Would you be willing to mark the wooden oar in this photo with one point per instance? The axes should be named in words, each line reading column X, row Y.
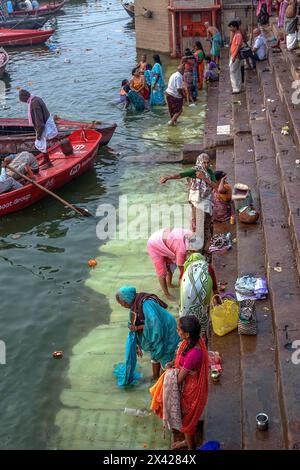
column 80, row 211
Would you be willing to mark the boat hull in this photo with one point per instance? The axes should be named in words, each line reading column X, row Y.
column 24, row 37
column 24, row 23
column 42, row 11
column 64, row 170
column 16, row 135
column 130, row 12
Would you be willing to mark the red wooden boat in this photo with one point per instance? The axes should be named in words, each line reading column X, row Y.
column 16, row 135
column 24, row 37
column 3, row 61
column 85, row 144
column 48, row 9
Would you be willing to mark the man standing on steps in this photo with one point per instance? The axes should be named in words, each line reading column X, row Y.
column 43, row 123
column 235, row 62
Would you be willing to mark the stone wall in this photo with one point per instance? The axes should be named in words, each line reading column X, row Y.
column 232, row 9
column 152, row 33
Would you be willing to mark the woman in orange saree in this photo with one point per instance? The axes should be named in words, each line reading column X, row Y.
column 192, row 364
column 200, row 56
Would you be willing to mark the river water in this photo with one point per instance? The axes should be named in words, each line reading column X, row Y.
column 50, row 298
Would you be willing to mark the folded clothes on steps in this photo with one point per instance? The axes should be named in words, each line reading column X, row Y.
column 251, row 287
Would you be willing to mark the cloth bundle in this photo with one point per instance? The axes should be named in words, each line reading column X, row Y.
column 251, row 287
column 220, row 242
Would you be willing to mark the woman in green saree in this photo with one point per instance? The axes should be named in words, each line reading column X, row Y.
column 197, row 286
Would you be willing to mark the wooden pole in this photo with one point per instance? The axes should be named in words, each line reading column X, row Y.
column 46, row 190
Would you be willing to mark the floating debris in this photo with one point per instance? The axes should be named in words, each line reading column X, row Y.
column 15, row 236
column 285, row 130
column 57, row 354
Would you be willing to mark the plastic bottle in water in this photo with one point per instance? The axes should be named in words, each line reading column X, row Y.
column 136, row 412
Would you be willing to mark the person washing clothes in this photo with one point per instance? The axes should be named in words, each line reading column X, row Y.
column 169, row 249
column 202, row 182
column 154, row 326
column 43, row 123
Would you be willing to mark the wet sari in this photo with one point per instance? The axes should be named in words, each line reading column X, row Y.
column 199, row 54
column 216, row 42
column 136, row 101
column 157, row 93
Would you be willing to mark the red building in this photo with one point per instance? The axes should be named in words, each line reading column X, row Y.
column 187, row 22
column 174, row 24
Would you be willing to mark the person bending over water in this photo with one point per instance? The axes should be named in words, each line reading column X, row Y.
column 155, row 327
column 168, row 249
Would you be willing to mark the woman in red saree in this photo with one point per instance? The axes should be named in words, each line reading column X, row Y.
column 192, row 365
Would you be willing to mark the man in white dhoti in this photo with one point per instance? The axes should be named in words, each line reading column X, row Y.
column 43, row 123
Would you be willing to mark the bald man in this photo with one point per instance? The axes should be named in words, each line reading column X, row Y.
column 259, row 48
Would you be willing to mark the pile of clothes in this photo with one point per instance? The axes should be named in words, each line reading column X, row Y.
column 251, row 287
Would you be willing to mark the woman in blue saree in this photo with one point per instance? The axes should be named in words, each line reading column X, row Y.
column 158, row 83
column 155, row 327
column 134, row 99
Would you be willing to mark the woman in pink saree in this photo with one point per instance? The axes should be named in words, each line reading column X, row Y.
column 168, row 249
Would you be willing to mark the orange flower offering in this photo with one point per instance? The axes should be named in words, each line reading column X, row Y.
column 92, row 263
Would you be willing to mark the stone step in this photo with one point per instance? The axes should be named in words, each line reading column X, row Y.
column 283, row 285
column 258, row 371
column 285, row 150
column 288, row 95
column 292, row 58
column 223, row 415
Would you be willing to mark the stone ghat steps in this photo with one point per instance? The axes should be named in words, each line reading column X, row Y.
column 258, row 372
column 286, row 150
column 283, row 285
column 258, row 377
column 223, row 414
column 285, row 67
column 292, row 58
